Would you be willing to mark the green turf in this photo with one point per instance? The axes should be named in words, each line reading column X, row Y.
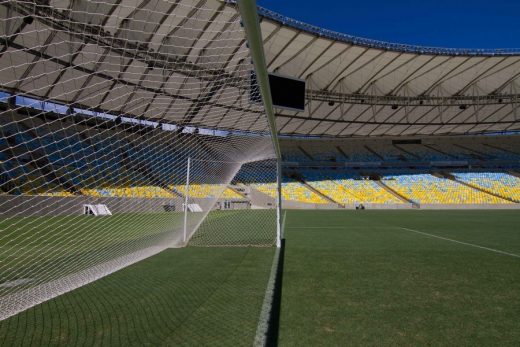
column 190, row 296
column 357, row 278
column 350, row 278
column 186, row 296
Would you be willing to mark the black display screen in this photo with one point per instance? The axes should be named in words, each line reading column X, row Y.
column 287, row 92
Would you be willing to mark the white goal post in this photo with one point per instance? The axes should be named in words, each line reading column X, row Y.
column 251, row 21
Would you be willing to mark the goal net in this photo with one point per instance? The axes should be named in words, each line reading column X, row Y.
column 240, row 218
column 142, row 111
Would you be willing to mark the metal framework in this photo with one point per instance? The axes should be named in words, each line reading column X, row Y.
column 356, row 86
column 147, row 58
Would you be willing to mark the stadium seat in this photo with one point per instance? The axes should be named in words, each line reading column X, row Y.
column 428, row 189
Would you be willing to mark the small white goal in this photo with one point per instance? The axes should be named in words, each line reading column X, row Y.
column 96, row 210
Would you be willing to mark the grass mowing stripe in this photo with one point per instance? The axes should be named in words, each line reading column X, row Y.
column 208, row 298
column 462, row 243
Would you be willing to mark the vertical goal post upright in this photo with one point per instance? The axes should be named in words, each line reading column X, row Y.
column 186, row 200
column 250, row 20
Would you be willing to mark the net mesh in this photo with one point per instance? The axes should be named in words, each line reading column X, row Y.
column 143, row 108
column 240, row 217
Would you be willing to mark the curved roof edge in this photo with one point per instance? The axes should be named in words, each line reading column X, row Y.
column 333, row 35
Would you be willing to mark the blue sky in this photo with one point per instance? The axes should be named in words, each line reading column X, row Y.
column 440, row 23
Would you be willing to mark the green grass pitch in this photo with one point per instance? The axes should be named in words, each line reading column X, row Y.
column 360, row 278
column 350, row 278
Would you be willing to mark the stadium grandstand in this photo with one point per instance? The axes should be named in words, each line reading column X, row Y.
column 153, row 178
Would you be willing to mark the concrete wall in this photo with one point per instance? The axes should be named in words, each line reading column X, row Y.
column 470, row 207
column 290, row 205
column 304, row 206
column 402, row 206
column 260, row 200
column 296, row 205
column 12, row 205
column 22, row 205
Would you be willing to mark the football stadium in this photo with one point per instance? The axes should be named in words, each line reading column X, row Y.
column 213, row 173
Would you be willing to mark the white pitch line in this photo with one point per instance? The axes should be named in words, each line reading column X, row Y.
column 265, row 314
column 341, row 227
column 283, row 223
column 267, row 305
column 462, row 243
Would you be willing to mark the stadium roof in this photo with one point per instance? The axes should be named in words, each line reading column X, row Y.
column 184, row 62
column 187, row 62
column 361, row 87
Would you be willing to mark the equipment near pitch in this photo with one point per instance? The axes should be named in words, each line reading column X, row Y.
column 194, row 208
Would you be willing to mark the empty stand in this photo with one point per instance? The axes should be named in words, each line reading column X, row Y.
column 428, row 189
column 500, row 184
column 292, row 190
column 346, row 190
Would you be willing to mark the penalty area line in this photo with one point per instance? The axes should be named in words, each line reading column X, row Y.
column 461, row 242
column 346, row 227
